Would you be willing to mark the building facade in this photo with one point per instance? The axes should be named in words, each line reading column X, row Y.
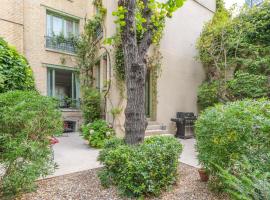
column 44, row 30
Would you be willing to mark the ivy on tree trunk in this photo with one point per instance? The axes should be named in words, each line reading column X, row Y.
column 140, row 27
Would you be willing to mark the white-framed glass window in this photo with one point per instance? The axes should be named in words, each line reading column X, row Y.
column 58, row 24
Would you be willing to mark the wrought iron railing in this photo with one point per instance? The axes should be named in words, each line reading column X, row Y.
column 70, row 103
column 252, row 3
column 62, row 45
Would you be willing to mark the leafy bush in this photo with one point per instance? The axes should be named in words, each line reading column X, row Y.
column 226, row 133
column 97, row 133
column 144, row 169
column 245, row 85
column 27, row 120
column 15, row 73
column 236, row 48
column 248, row 184
column 91, row 105
column 208, row 94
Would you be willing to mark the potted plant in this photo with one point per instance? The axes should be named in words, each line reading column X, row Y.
column 203, row 175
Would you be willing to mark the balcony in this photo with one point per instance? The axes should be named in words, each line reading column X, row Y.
column 61, row 44
column 69, row 103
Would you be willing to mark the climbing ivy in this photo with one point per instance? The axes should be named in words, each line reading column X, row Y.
column 87, row 51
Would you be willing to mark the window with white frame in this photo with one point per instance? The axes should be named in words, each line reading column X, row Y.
column 57, row 25
column 61, row 32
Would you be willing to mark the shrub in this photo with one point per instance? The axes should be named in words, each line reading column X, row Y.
column 248, row 184
column 144, row 169
column 245, row 85
column 97, row 133
column 27, row 120
column 15, row 73
column 226, row 133
column 91, row 105
column 208, row 94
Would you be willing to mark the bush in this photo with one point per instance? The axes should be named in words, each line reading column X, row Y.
column 15, row 73
column 248, row 184
column 208, row 94
column 27, row 120
column 144, row 169
column 245, row 85
column 97, row 133
column 226, row 133
column 91, row 105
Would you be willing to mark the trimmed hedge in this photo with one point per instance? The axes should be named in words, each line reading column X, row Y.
column 144, row 169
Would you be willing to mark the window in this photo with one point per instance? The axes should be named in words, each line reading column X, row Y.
column 61, row 32
column 57, row 25
column 64, row 85
column 252, row 3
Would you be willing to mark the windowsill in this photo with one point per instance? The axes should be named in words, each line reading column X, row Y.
column 59, row 51
column 70, row 109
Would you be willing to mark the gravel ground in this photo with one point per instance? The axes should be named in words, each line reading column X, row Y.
column 86, row 186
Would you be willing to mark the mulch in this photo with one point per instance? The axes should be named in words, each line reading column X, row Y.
column 85, row 185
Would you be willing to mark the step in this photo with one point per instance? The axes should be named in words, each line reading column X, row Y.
column 154, row 127
column 155, row 132
column 165, row 134
column 153, row 123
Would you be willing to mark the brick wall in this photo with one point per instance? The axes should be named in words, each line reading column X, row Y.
column 11, row 22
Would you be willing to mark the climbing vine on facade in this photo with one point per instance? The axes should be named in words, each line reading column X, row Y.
column 87, row 51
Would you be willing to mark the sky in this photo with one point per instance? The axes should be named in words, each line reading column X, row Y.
column 229, row 3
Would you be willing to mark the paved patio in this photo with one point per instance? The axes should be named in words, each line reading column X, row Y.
column 72, row 154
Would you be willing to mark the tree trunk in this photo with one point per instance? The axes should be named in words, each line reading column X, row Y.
column 135, row 121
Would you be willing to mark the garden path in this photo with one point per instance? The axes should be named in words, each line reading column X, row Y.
column 72, row 154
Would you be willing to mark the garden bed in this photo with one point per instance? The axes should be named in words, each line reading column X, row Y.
column 85, row 185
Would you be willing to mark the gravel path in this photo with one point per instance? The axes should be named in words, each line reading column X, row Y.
column 86, row 186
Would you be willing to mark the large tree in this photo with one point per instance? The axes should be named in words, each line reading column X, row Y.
column 141, row 24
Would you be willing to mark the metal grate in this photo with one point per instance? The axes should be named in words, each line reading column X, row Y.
column 66, row 46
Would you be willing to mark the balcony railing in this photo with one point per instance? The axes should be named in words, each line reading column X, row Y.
column 60, row 45
column 252, row 3
column 70, row 103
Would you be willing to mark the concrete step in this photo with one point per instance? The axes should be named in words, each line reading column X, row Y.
column 154, row 127
column 155, row 132
column 153, row 123
column 164, row 134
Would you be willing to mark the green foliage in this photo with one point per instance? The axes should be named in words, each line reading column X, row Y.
column 15, row 73
column 208, row 94
column 158, row 10
column 144, row 169
column 87, row 46
column 245, row 85
column 228, row 45
column 91, row 105
column 119, row 65
column 27, row 121
column 97, row 133
column 227, row 133
column 248, row 184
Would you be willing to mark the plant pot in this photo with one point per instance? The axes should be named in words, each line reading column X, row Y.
column 203, row 175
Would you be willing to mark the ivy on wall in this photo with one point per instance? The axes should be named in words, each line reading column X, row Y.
column 87, row 52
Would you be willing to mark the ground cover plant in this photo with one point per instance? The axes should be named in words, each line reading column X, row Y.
column 144, row 169
column 97, row 133
column 15, row 72
column 27, row 121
